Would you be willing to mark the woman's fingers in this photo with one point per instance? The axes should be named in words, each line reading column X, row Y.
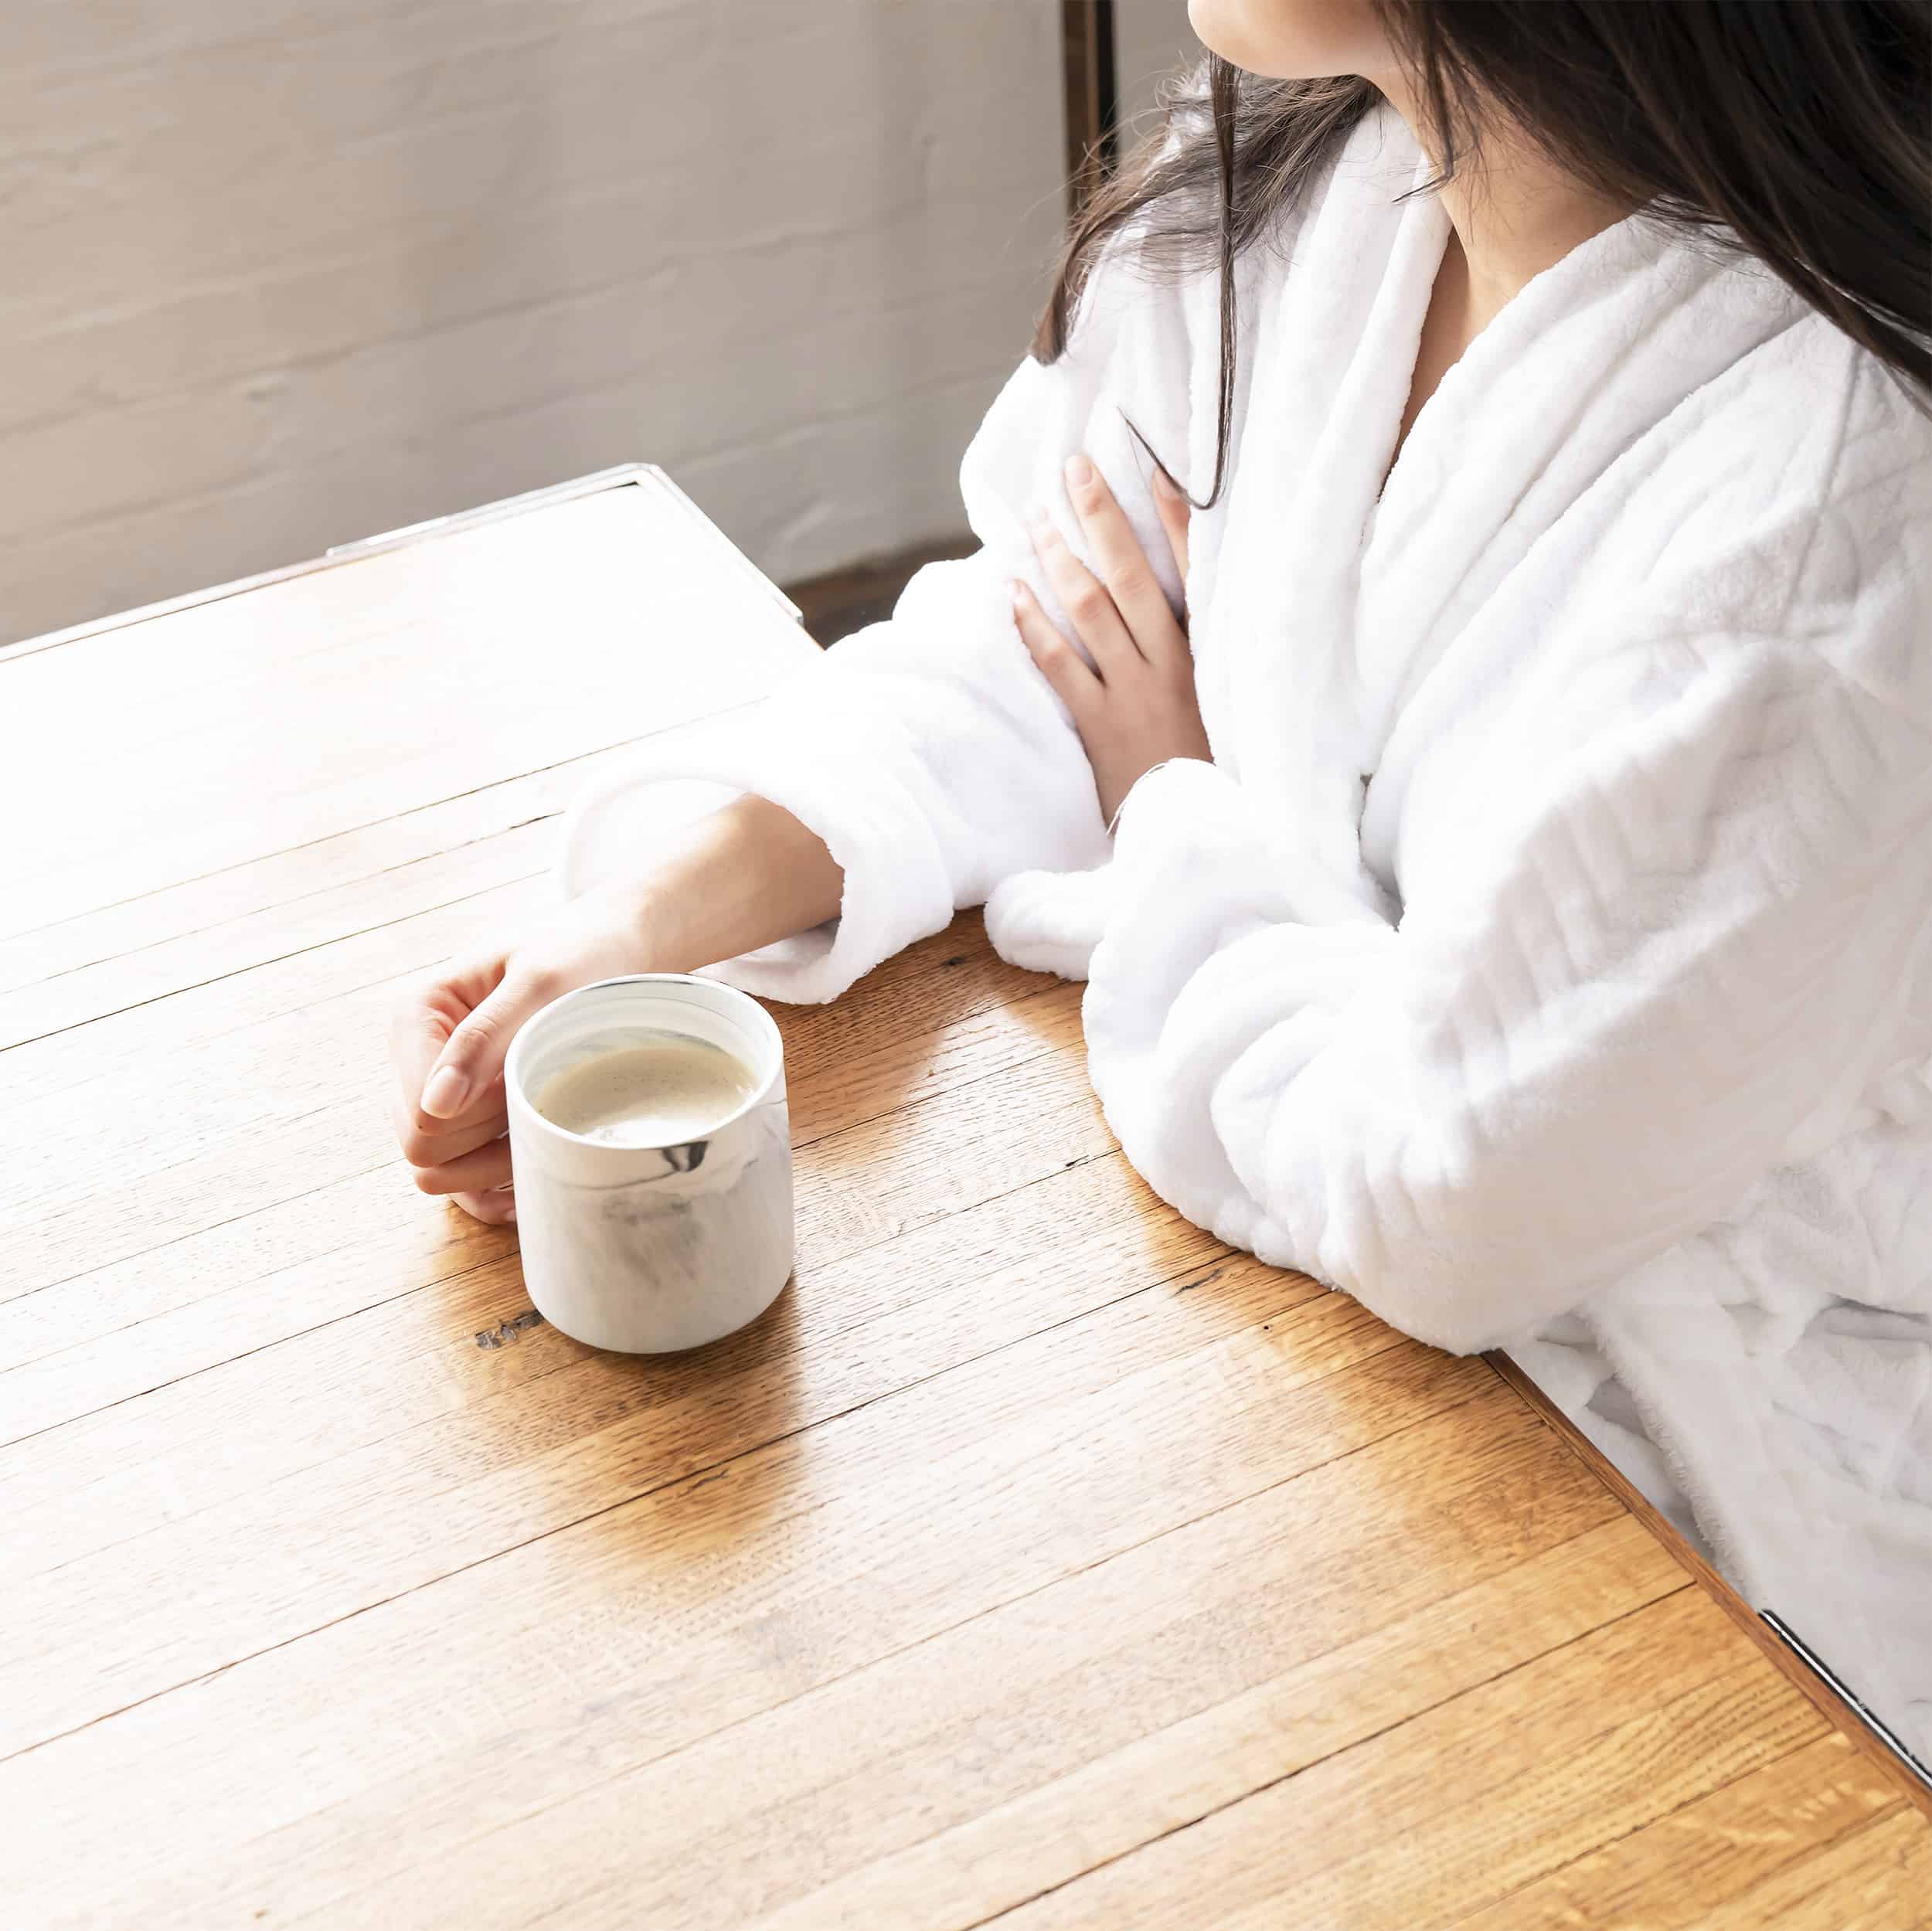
column 1124, row 571
column 1097, row 621
column 1060, row 663
column 496, row 1208
column 420, row 1032
column 471, row 1064
column 479, row 1172
column 1172, row 508
column 434, row 1142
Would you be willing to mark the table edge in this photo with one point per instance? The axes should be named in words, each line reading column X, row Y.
column 619, row 476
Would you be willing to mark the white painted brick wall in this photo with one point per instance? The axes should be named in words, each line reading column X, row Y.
column 277, row 274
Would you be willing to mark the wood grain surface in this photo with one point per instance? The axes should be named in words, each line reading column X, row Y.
column 1036, row 1560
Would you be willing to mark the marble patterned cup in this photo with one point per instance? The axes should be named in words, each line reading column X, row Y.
column 646, row 1250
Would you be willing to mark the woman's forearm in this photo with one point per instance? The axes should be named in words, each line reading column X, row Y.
column 746, row 876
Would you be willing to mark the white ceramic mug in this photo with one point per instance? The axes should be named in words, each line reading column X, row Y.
column 646, row 1250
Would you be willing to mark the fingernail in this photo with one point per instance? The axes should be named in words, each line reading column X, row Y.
column 1165, row 484
column 1079, row 471
column 442, row 1097
column 1017, row 591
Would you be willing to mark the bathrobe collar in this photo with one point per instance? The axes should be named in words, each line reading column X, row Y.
column 1310, row 645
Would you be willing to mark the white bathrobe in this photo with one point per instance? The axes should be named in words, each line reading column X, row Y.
column 1545, row 957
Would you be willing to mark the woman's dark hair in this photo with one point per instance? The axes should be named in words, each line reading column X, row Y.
column 1802, row 127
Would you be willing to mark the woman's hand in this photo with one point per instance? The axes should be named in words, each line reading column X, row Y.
column 451, row 1034
column 745, row 874
column 1138, row 707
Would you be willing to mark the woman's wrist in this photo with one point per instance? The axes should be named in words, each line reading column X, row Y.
column 656, row 910
column 741, row 877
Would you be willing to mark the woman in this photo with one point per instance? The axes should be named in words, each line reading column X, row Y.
column 1492, row 806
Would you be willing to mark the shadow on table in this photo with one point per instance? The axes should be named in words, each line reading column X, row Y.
column 689, row 1431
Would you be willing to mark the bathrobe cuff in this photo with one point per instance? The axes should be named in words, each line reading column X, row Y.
column 1052, row 921
column 896, row 885
column 1212, row 942
column 1196, row 840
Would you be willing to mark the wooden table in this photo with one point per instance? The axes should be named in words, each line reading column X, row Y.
column 1036, row 1560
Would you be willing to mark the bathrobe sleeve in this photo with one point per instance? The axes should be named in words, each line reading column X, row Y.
column 928, row 751
column 1674, row 934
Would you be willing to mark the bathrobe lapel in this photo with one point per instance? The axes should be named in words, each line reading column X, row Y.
column 1281, row 696
column 1590, row 357
column 1311, row 646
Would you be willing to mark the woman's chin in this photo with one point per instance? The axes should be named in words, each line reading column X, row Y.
column 1292, row 39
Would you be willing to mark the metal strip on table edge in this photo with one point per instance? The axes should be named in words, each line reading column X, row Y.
column 1864, row 1711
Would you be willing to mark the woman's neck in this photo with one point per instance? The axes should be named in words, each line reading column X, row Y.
column 1515, row 212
